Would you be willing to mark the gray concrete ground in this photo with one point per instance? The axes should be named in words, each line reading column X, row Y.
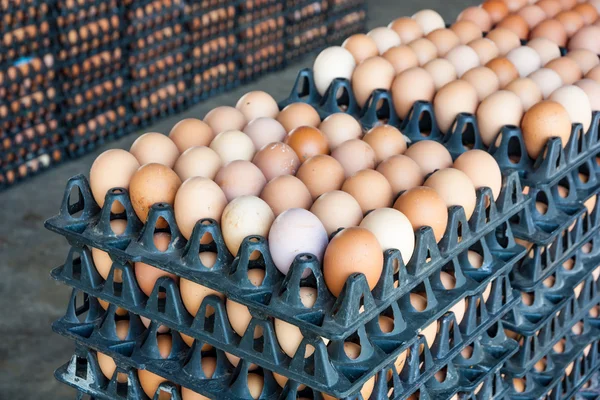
column 30, row 300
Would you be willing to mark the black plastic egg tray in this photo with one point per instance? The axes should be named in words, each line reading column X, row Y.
column 590, row 390
column 18, row 81
column 346, row 22
column 206, row 83
column 34, row 163
column 488, row 233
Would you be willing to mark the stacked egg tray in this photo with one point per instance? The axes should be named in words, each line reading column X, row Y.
column 590, row 390
column 346, row 17
column 306, row 26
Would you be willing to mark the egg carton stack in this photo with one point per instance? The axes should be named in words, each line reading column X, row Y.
column 306, row 26
column 92, row 72
column 345, row 17
column 590, row 390
column 156, row 54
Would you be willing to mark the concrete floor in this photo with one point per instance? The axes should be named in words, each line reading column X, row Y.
column 30, row 300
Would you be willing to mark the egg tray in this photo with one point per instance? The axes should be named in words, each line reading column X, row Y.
column 171, row 63
column 340, row 28
column 27, row 40
column 35, row 163
column 170, row 13
column 590, row 390
column 206, row 86
column 17, row 83
column 257, row 36
column 488, row 233
column 67, row 15
column 262, row 66
column 198, row 58
column 99, row 334
column 248, row 16
column 92, row 65
column 147, row 48
column 17, row 15
column 341, row 7
column 549, row 384
column 296, row 49
column 535, row 345
column 146, row 115
column 494, row 388
column 18, row 142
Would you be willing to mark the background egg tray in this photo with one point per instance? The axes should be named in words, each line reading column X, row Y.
column 590, row 390
column 487, row 233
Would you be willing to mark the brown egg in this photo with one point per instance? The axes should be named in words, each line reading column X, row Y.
column 444, row 40
column 152, row 183
column 466, row 31
column 550, row 29
column 240, row 178
column 478, row 16
column 188, row 210
column 442, row 71
column 257, row 104
column 401, row 172
column 594, row 74
column 147, row 275
column 373, row 73
column 482, row 169
column 505, row 39
column 532, row 14
column 307, row 141
column 298, row 114
column 343, row 258
column 454, row 98
column 425, row 50
column 193, row 294
column 486, row 50
column 543, row 121
column 370, row 189
column 546, row 49
column 285, row 192
column 191, row 132
column 586, row 59
column 550, row 7
column 568, row 4
column 354, row 155
column 386, row 141
column 108, row 367
column 515, row 5
column 516, row 24
column 102, row 260
column 571, row 21
column 504, row 69
column 527, row 90
column 401, row 58
column 150, row 382
column 496, row 10
column 519, row 384
column 567, row 69
column 409, row 86
column 455, row 188
column 424, row 207
column 407, row 28
column 155, row 148
column 500, row 108
column 361, row 46
column 429, row 156
column 484, row 80
column 113, row 168
column 340, row 127
column 263, row 131
column 321, row 174
column 587, row 11
column 225, row 118
column 337, row 209
column 198, row 161
column 586, row 39
column 419, row 303
column 276, row 159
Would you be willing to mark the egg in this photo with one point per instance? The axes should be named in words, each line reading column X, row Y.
column 547, row 80
column 225, row 118
column 257, row 104
column 263, row 131
column 454, row 98
column 298, row 114
column 466, row 31
column 546, row 49
column 586, row 38
column 496, row 10
column 276, row 159
column 147, row 275
column 239, row 318
column 444, row 40
column 198, row 161
column 455, row 188
column 282, row 381
column 515, row 5
column 108, row 367
column 592, row 90
column 527, row 90
column 337, row 209
column 525, row 59
column 429, row 156
column 424, row 207
column 361, row 46
column 463, row 58
column 120, row 311
column 543, row 121
column 245, row 216
column 517, row 24
column 150, row 184
column 193, row 294
column 486, row 49
column 234, row 360
column 550, row 29
column 321, row 174
column 532, row 14
column 419, row 303
column 550, row 7
column 505, row 39
column 343, row 258
column 307, row 141
column 386, row 141
column 401, row 58
column 484, row 80
column 155, row 148
column 482, row 169
column 150, row 382
column 576, row 102
column 477, row 15
column 498, row 109
column 401, row 172
column 407, row 28
column 354, row 155
column 331, row 63
column 428, row 20
column 566, row 68
column 441, row 70
column 373, row 73
column 233, row 145
column 191, row 132
column 113, row 168
column 339, row 128
column 101, row 259
column 571, row 21
column 289, row 338
column 385, row 38
column 408, row 87
column 392, row 229
column 504, row 70
column 585, row 59
column 370, row 189
column 594, row 74
column 285, row 192
column 424, row 49
column 588, row 12
column 240, row 178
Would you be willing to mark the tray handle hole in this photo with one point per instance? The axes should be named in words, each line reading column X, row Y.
column 162, row 299
column 425, row 124
column 75, row 203
column 514, row 149
column 468, row 136
column 81, row 368
column 583, row 173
